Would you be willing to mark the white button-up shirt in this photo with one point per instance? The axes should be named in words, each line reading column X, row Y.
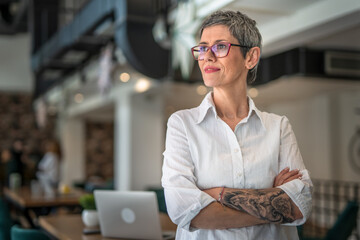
column 203, row 152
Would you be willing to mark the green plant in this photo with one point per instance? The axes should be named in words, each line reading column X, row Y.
column 87, row 201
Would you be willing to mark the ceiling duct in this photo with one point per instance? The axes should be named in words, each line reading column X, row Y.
column 342, row 63
column 13, row 16
column 310, row 62
column 135, row 38
column 132, row 21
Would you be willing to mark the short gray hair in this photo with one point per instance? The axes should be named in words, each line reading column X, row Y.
column 242, row 28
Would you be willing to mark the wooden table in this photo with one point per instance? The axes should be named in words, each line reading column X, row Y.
column 24, row 201
column 70, row 227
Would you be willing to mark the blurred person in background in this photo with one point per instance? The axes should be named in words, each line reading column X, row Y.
column 14, row 160
column 31, row 158
column 49, row 165
column 231, row 171
column 5, row 158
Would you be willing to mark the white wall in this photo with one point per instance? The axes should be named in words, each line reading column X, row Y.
column 347, row 124
column 139, row 140
column 73, row 142
column 309, row 121
column 122, row 142
column 147, row 140
column 323, row 126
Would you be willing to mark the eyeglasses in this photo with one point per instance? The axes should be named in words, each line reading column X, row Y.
column 220, row 50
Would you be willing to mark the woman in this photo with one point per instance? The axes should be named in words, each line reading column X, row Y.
column 48, row 168
column 231, row 171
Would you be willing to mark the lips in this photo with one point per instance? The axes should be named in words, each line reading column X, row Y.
column 210, row 69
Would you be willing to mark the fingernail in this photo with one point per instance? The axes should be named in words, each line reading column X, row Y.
column 287, row 168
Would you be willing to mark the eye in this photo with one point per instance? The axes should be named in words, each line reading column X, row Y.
column 221, row 46
column 203, row 48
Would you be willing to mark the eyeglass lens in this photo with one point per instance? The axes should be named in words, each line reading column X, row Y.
column 219, row 50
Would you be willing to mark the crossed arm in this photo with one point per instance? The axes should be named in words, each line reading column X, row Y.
column 248, row 207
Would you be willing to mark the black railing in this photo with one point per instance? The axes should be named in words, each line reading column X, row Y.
column 329, row 200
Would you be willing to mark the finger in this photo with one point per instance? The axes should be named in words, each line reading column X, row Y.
column 282, row 180
column 279, row 179
column 276, row 182
column 283, row 175
column 290, row 174
column 284, row 171
column 280, row 175
column 297, row 176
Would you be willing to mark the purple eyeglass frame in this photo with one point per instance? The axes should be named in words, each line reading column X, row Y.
column 211, row 47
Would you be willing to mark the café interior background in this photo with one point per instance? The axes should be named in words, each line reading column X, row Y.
column 112, row 123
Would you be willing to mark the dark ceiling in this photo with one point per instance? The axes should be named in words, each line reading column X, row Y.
column 13, row 16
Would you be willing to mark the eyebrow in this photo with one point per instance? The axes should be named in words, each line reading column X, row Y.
column 217, row 41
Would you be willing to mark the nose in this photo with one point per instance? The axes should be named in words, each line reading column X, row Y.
column 209, row 56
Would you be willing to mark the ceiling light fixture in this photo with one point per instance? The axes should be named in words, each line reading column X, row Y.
column 79, row 98
column 142, row 85
column 124, row 77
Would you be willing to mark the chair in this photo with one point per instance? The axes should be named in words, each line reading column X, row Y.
column 343, row 227
column 6, row 221
column 160, row 198
column 345, row 223
column 18, row 233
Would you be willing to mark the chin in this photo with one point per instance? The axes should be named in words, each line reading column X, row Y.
column 210, row 82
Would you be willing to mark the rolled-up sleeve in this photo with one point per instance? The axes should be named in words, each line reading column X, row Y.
column 299, row 190
column 184, row 199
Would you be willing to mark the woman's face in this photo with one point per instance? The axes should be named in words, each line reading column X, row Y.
column 226, row 71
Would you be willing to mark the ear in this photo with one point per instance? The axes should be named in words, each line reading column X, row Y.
column 252, row 57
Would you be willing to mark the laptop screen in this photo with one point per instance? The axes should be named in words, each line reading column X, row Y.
column 128, row 214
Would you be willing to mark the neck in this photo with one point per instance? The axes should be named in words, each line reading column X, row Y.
column 231, row 103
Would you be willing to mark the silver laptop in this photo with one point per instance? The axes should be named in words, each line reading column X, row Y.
column 129, row 214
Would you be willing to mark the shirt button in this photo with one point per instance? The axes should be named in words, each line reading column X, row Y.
column 236, row 150
column 239, row 174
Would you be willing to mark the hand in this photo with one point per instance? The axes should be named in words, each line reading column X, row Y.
column 286, row 176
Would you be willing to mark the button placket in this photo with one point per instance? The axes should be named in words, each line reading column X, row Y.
column 240, row 177
column 237, row 161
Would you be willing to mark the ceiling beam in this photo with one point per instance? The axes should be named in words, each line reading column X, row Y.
column 318, row 20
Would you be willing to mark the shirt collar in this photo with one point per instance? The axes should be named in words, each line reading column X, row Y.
column 253, row 108
column 204, row 107
column 208, row 103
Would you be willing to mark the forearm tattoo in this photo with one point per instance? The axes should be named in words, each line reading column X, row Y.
column 269, row 205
